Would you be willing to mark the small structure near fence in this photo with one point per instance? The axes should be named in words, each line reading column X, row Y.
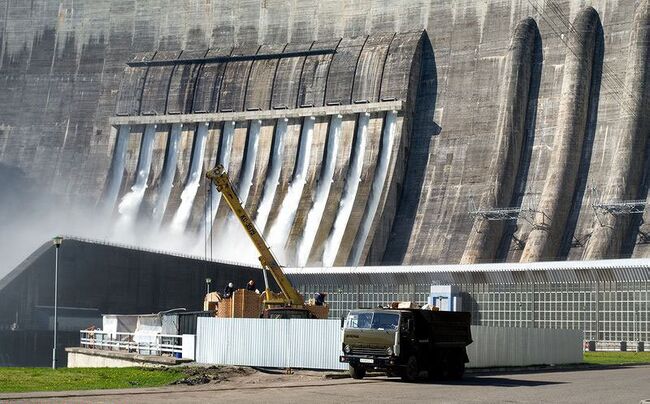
column 133, row 340
column 154, row 344
column 316, row 344
column 123, row 349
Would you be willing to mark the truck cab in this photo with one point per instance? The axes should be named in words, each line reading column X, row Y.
column 406, row 342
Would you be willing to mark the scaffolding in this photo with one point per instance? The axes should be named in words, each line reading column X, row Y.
column 502, row 214
column 620, row 207
column 615, row 208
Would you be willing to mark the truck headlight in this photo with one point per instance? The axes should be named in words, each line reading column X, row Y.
column 347, row 349
column 389, row 351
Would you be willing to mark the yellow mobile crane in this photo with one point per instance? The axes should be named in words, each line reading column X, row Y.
column 290, row 303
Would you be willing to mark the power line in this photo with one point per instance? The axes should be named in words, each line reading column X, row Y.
column 608, row 77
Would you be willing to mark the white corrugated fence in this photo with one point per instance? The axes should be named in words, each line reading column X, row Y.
column 510, row 346
column 316, row 344
column 294, row 343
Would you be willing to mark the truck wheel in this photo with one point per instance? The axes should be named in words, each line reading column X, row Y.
column 357, row 372
column 435, row 372
column 456, row 369
column 411, row 372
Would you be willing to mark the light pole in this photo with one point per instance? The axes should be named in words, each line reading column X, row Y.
column 57, row 243
column 207, row 285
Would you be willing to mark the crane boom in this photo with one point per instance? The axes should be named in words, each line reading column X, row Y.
column 219, row 177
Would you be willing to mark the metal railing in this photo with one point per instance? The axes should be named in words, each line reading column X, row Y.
column 615, row 346
column 159, row 344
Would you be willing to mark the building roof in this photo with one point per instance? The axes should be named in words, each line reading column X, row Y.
column 619, row 270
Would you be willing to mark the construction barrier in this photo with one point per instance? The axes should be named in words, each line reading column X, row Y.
column 316, row 344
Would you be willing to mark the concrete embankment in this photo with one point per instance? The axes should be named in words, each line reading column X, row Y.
column 556, row 199
column 484, row 239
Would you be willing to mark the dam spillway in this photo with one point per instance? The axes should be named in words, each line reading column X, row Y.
column 538, row 109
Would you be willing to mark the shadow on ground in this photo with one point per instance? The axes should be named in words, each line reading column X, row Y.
column 484, row 381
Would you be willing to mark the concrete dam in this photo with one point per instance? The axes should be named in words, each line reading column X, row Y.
column 356, row 132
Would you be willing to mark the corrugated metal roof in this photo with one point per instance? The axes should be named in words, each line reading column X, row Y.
column 619, row 270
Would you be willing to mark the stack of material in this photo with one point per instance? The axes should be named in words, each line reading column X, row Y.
column 403, row 305
column 319, row 311
column 243, row 304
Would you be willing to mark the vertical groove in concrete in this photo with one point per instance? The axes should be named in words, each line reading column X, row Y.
column 234, row 169
column 382, row 225
column 262, row 165
column 182, row 168
column 197, row 217
column 232, row 94
column 626, row 172
column 156, row 172
column 381, row 220
column 163, row 188
column 119, row 137
column 370, row 157
column 316, row 160
column 196, row 211
column 287, row 78
column 130, row 163
column 556, row 199
column 484, row 239
column 289, row 156
column 343, row 158
column 209, row 79
column 260, row 83
column 130, row 94
column 182, row 84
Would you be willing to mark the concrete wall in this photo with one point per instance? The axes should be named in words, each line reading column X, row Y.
column 84, row 360
column 62, row 73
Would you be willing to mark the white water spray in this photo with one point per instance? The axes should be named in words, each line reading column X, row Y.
column 322, row 192
column 167, row 180
column 212, row 205
column 182, row 215
column 377, row 188
column 117, row 169
column 279, row 232
column 272, row 179
column 130, row 204
column 349, row 193
column 234, row 243
column 246, row 178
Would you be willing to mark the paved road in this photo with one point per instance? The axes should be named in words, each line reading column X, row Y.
column 619, row 385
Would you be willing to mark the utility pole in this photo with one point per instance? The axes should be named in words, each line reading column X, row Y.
column 57, row 243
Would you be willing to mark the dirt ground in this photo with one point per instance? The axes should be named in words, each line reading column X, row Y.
column 233, row 376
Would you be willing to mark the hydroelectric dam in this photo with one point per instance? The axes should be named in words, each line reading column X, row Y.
column 357, row 133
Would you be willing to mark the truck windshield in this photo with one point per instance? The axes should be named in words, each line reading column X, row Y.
column 374, row 320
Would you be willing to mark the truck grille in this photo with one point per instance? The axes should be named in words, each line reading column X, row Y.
column 367, row 351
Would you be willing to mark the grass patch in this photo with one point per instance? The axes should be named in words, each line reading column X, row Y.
column 44, row 379
column 616, row 358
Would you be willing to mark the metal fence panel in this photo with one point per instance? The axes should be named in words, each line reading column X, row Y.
column 502, row 346
column 316, row 344
column 242, row 341
column 295, row 343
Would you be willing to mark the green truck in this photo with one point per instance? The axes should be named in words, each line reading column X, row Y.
column 406, row 342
